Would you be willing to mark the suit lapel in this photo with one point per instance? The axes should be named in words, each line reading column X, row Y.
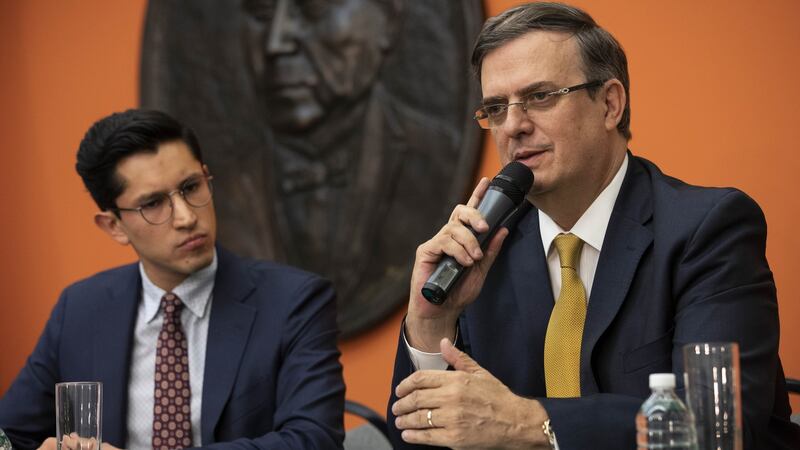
column 625, row 242
column 228, row 329
column 114, row 322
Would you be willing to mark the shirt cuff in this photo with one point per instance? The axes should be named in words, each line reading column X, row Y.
column 423, row 360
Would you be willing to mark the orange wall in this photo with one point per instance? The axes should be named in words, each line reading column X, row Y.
column 714, row 85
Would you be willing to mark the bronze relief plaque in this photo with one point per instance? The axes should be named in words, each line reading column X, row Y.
column 339, row 132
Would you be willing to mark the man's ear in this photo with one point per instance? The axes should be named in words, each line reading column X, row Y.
column 615, row 100
column 110, row 223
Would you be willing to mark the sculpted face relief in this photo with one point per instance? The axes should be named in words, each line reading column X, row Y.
column 308, row 55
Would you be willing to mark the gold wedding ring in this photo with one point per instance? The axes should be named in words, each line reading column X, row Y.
column 430, row 418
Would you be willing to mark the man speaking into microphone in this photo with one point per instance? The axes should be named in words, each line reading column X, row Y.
column 608, row 269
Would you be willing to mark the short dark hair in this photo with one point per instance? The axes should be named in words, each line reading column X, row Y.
column 603, row 57
column 118, row 136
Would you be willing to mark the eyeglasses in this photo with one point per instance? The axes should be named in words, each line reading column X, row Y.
column 491, row 116
column 158, row 209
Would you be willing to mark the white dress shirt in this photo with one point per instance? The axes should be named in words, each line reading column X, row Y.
column 195, row 293
column 591, row 228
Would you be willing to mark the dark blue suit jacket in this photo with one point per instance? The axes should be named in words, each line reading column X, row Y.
column 679, row 264
column 272, row 374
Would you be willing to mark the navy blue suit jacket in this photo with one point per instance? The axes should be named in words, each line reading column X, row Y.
column 679, row 264
column 272, row 373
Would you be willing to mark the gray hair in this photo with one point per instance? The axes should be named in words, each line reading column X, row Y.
column 602, row 56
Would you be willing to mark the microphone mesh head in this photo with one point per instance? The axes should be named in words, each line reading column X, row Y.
column 515, row 180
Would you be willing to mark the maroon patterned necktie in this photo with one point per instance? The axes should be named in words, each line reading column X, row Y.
column 172, row 426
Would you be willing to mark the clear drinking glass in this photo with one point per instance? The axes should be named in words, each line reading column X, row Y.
column 79, row 408
column 713, row 393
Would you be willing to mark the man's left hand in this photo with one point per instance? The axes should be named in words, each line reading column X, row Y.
column 466, row 408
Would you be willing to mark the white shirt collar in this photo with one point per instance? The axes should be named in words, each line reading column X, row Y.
column 194, row 291
column 592, row 225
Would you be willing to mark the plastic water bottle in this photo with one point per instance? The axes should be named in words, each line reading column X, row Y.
column 5, row 444
column 664, row 422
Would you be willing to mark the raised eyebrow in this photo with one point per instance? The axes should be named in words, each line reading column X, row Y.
column 496, row 100
column 539, row 86
column 147, row 197
column 529, row 89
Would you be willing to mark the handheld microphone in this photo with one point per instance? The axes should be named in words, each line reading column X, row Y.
column 504, row 195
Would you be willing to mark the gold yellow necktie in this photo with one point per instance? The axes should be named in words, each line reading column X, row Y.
column 562, row 343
